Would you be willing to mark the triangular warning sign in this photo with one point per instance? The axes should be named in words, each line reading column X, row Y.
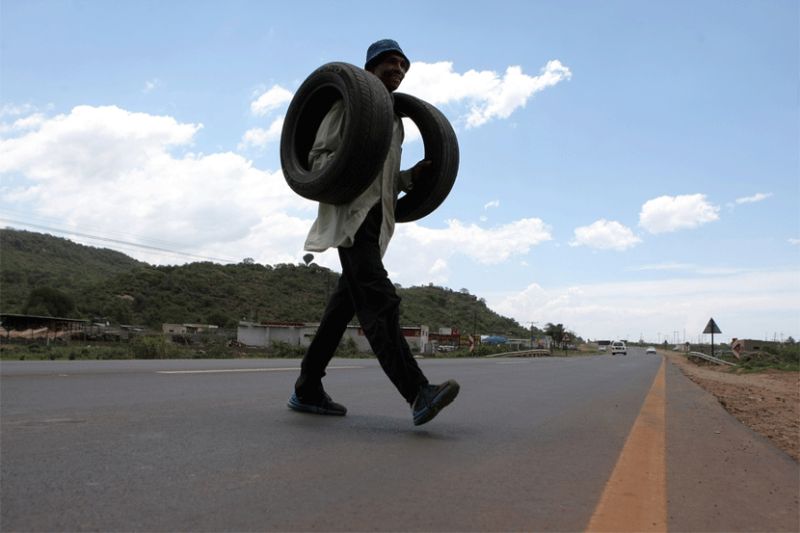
column 711, row 327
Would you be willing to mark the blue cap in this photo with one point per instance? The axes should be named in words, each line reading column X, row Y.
column 378, row 48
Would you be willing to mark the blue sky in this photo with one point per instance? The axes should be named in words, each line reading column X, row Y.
column 628, row 168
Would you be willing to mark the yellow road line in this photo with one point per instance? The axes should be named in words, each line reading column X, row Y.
column 635, row 497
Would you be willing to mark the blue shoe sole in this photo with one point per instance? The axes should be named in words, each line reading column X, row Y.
column 440, row 401
column 296, row 405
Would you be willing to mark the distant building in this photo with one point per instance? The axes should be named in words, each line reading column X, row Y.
column 264, row 334
column 493, row 340
column 34, row 327
column 188, row 329
column 447, row 339
column 743, row 346
column 188, row 333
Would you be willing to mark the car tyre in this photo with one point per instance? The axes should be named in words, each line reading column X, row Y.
column 441, row 148
column 365, row 140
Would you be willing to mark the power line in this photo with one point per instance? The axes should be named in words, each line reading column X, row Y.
column 115, row 241
column 92, row 230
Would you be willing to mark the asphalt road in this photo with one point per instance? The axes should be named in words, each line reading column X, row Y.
column 530, row 444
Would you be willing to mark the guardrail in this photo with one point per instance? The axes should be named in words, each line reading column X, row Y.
column 711, row 359
column 522, row 353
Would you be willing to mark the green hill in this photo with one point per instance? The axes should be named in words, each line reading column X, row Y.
column 105, row 283
column 29, row 260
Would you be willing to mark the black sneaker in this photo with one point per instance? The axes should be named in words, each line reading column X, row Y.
column 432, row 399
column 321, row 406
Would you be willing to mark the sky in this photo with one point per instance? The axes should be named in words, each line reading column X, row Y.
column 629, row 169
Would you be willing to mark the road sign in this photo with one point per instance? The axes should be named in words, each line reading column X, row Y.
column 736, row 347
column 712, row 327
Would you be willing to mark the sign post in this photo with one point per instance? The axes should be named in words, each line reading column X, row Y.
column 712, row 328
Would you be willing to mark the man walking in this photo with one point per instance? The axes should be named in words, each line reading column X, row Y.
column 361, row 231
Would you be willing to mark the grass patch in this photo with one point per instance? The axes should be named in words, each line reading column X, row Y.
column 786, row 358
column 159, row 347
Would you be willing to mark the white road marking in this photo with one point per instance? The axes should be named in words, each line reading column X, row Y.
column 229, row 370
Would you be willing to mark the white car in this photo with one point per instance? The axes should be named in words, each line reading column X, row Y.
column 651, row 350
column 618, row 347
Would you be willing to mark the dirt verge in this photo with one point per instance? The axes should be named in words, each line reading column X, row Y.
column 767, row 402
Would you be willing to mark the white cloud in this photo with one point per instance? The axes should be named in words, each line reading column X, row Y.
column 671, row 213
column 689, row 267
column 119, row 167
column 411, row 131
column 272, row 99
column 89, row 141
column 605, row 235
column 745, row 305
column 15, row 110
column 488, row 94
column 28, row 122
column 260, row 137
column 23, row 117
column 151, row 85
column 138, row 180
column 267, row 102
column 423, row 253
column 662, row 266
column 439, row 271
column 758, row 197
column 493, row 203
column 486, row 246
column 794, row 241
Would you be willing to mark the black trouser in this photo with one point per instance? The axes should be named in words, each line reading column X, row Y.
column 364, row 290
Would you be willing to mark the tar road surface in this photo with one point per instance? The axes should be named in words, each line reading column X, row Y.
column 546, row 444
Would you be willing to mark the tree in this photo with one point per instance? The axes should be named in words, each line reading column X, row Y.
column 219, row 319
column 49, row 302
column 556, row 332
column 118, row 310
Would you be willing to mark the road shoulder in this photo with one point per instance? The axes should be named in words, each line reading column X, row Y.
column 722, row 476
column 766, row 402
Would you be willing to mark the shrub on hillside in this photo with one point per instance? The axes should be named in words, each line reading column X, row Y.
column 152, row 347
column 786, row 357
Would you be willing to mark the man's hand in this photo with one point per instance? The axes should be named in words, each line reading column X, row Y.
column 420, row 171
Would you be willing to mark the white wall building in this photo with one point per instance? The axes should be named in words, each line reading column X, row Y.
column 300, row 334
column 183, row 329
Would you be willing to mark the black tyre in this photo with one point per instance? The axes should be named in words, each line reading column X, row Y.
column 441, row 148
column 366, row 137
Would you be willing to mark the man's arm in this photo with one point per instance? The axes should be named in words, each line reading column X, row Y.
column 415, row 174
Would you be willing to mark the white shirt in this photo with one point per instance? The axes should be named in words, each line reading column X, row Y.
column 336, row 225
